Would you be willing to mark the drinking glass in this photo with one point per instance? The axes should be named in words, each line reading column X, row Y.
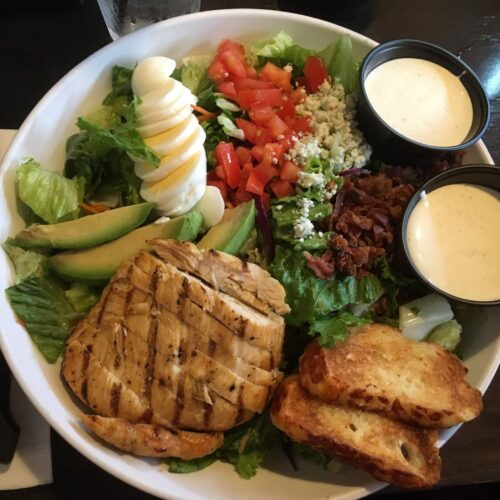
column 124, row 16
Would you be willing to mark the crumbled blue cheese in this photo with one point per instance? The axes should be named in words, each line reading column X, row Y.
column 335, row 133
column 302, row 227
column 308, row 180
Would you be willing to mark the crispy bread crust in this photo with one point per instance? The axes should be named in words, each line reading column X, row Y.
column 378, row 369
column 390, row 451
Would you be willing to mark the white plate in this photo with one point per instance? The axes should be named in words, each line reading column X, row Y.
column 43, row 136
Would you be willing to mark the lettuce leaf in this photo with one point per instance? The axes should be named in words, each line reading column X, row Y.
column 125, row 138
column 340, row 63
column 316, row 457
column 275, row 47
column 82, row 297
column 244, row 447
column 40, row 303
column 333, row 329
column 121, row 94
column 310, row 297
column 27, row 263
column 50, row 195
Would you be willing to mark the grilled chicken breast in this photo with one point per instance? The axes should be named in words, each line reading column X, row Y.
column 153, row 440
column 166, row 348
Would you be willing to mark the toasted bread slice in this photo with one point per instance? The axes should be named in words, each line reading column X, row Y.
column 378, row 369
column 390, row 451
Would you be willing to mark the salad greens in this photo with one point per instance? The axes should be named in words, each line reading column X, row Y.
column 45, row 311
column 311, row 298
column 50, row 195
column 27, row 263
column 337, row 57
column 101, row 152
column 244, row 447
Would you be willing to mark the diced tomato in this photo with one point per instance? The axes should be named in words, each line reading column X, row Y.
column 315, row 73
column 301, row 124
column 227, row 44
column 272, row 153
column 250, row 84
column 234, row 64
column 257, row 152
column 217, row 72
column 266, row 172
column 298, row 95
column 226, row 156
column 261, row 113
column 254, row 184
column 220, row 173
column 228, row 89
column 243, row 154
column 289, row 171
column 278, row 76
column 282, row 188
column 287, row 142
column 277, row 126
column 272, row 97
column 251, row 72
column 221, row 185
column 249, row 129
column 263, row 136
column 287, row 108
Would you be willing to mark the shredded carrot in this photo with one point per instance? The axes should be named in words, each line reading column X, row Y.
column 93, row 208
column 204, row 114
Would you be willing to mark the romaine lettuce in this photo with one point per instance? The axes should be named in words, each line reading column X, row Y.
column 40, row 303
column 244, row 447
column 50, row 195
column 340, row 63
column 27, row 263
column 310, row 297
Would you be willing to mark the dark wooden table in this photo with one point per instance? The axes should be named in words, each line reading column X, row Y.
column 41, row 41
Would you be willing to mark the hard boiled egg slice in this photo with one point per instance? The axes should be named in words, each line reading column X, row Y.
column 185, row 100
column 162, row 192
column 166, row 142
column 172, row 161
column 185, row 201
column 150, row 73
column 211, row 206
column 161, row 126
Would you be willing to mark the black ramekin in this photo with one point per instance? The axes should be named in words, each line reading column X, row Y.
column 481, row 175
column 389, row 145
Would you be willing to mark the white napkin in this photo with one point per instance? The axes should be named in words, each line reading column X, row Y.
column 32, row 464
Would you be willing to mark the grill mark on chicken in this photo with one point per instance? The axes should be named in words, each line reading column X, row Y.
column 240, row 414
column 115, row 398
column 104, row 300
column 207, row 413
column 153, row 332
column 85, row 365
column 179, row 400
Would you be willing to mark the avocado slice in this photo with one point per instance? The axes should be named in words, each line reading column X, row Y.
column 231, row 233
column 87, row 231
column 98, row 264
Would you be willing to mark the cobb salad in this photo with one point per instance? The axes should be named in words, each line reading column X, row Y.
column 254, row 152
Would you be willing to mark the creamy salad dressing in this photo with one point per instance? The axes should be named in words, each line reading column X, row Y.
column 453, row 237
column 421, row 100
